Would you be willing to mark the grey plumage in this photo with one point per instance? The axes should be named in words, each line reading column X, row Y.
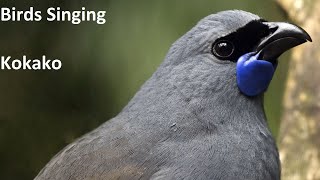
column 188, row 121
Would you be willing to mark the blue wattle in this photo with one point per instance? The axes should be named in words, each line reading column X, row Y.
column 253, row 75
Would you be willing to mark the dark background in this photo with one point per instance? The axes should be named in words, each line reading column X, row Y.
column 103, row 66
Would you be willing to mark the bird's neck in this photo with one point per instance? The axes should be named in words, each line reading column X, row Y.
column 212, row 104
column 213, row 99
column 227, row 107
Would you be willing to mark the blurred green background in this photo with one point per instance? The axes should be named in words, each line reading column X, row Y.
column 103, row 66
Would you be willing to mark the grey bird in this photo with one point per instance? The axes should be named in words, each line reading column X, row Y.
column 200, row 115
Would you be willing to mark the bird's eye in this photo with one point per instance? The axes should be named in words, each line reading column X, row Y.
column 223, row 49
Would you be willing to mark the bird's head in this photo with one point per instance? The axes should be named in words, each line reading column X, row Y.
column 233, row 49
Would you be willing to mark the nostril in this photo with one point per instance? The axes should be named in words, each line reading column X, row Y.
column 273, row 29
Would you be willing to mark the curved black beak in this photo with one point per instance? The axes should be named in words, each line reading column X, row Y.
column 282, row 37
